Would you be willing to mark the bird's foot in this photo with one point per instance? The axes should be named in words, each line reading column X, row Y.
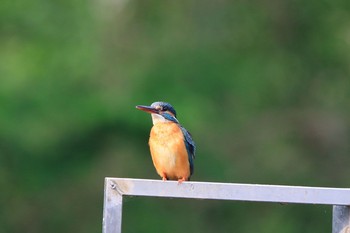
column 181, row 180
column 164, row 178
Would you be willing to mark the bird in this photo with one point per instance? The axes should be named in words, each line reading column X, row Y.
column 171, row 145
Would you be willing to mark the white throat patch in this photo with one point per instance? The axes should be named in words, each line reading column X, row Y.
column 156, row 118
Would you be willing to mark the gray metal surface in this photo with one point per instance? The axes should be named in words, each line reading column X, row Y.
column 112, row 209
column 341, row 219
column 116, row 188
column 232, row 191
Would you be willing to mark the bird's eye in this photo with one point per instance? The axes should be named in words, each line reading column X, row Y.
column 164, row 108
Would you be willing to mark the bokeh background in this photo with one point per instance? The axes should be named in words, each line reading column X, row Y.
column 263, row 86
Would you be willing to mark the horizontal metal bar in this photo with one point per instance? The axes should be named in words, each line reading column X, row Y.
column 230, row 191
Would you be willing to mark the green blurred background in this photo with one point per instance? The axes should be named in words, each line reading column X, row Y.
column 263, row 86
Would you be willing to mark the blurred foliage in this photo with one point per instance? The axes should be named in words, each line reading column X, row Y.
column 263, row 86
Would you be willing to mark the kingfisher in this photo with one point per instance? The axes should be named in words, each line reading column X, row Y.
column 171, row 145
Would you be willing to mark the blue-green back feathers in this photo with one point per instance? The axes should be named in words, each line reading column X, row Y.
column 190, row 146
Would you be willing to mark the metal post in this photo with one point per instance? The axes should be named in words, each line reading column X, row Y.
column 341, row 219
column 112, row 208
column 116, row 188
column 231, row 191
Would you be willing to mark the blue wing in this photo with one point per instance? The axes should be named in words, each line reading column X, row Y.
column 190, row 146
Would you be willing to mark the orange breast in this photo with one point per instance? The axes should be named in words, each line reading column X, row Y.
column 169, row 152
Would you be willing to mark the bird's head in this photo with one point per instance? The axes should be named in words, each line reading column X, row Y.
column 161, row 112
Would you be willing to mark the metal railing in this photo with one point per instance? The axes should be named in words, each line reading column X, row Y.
column 116, row 188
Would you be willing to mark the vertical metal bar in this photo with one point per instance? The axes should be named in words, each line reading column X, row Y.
column 112, row 208
column 341, row 219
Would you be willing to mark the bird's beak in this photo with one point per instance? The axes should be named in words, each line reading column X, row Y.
column 148, row 109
